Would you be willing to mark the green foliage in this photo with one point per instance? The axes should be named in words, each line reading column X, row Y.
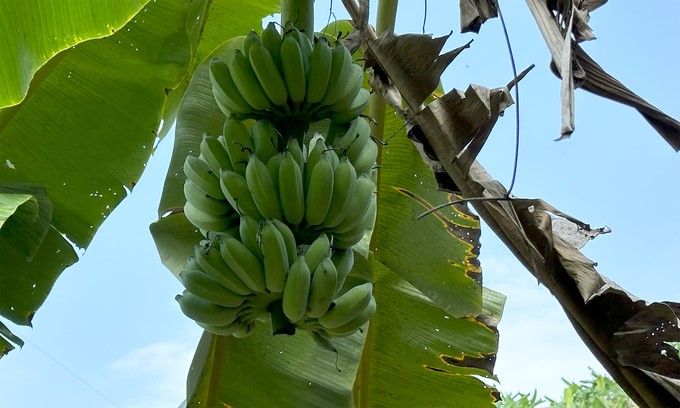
column 598, row 392
column 520, row 400
column 31, row 38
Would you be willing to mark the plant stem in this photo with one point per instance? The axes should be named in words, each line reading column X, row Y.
column 300, row 13
column 387, row 15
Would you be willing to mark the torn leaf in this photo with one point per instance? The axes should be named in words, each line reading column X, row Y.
column 412, row 63
column 578, row 69
column 474, row 13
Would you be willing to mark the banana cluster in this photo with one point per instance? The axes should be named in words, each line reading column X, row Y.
column 281, row 210
column 278, row 76
column 233, row 281
column 314, row 189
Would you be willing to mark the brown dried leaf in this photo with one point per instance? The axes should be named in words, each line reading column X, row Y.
column 474, row 13
column 557, row 24
column 465, row 119
column 410, row 59
column 452, row 129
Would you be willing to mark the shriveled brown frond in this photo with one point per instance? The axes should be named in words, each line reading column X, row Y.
column 563, row 24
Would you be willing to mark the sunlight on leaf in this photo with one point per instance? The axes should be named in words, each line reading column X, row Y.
column 33, row 32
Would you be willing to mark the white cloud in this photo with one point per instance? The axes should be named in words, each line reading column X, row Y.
column 159, row 371
column 538, row 346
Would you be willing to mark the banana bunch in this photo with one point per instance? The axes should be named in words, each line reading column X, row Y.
column 310, row 297
column 321, row 192
column 278, row 75
column 281, row 210
column 231, row 282
column 243, row 172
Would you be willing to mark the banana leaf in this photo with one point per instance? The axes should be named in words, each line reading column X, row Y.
column 34, row 32
column 92, row 116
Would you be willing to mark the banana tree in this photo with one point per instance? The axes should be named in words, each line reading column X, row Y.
column 434, row 330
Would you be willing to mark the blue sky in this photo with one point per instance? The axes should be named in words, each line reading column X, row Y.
column 111, row 335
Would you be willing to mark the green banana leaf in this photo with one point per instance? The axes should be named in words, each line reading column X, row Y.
column 33, row 32
column 83, row 135
column 25, row 208
column 418, row 355
column 437, row 254
column 92, row 114
column 25, row 214
column 449, row 342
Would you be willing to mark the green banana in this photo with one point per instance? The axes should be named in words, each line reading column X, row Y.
column 291, row 189
column 343, row 190
column 354, row 137
column 357, row 139
column 226, row 94
column 249, row 230
column 265, row 139
column 235, row 188
column 353, row 325
column 192, row 265
column 210, row 260
column 243, row 262
column 317, row 251
column 344, row 261
column 347, row 306
column 358, row 205
column 320, row 191
column 333, row 157
column 273, row 247
column 238, row 144
column 244, row 329
column 205, row 286
column 353, row 236
column 289, row 239
column 215, row 154
column 304, row 41
column 357, row 108
column 231, row 230
column 271, row 39
column 341, row 66
column 199, row 172
column 262, row 188
column 316, row 147
column 322, row 288
column 204, row 311
column 293, row 69
column 247, row 83
column 296, row 290
column 205, row 221
column 354, row 83
column 273, row 167
column 268, row 74
column 319, row 72
column 365, row 160
column 226, row 330
column 253, row 311
column 294, row 148
column 251, row 38
column 199, row 199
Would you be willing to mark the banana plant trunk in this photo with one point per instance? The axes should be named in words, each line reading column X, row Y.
column 300, row 13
